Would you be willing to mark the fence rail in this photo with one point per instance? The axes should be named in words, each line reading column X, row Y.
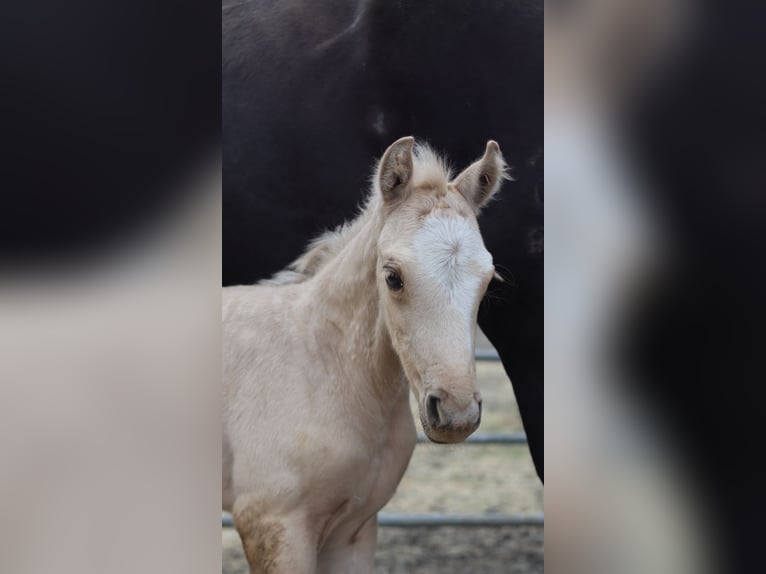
column 486, row 355
column 439, row 519
column 487, row 438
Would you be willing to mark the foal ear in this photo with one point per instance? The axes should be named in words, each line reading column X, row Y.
column 395, row 169
column 479, row 181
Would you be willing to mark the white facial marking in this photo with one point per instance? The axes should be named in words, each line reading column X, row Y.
column 451, row 252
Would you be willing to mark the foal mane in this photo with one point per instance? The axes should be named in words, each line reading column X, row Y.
column 428, row 170
column 321, row 250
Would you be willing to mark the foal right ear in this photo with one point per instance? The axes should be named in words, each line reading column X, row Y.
column 395, row 170
column 481, row 180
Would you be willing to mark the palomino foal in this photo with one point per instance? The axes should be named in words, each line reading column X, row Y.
column 318, row 364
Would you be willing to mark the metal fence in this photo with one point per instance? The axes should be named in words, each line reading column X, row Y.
column 439, row 519
column 442, row 519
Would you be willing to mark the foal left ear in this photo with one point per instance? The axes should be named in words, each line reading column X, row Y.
column 395, row 170
column 481, row 180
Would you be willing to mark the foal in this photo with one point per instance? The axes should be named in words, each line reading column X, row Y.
column 318, row 364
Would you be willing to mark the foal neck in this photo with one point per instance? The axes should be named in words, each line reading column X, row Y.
column 348, row 309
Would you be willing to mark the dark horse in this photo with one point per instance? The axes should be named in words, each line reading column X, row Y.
column 313, row 87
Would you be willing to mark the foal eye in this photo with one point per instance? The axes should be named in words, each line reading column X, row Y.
column 394, row 281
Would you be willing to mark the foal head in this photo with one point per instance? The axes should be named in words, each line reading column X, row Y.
column 432, row 272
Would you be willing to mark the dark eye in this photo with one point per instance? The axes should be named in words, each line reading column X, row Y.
column 393, row 280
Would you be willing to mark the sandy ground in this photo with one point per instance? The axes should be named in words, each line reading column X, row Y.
column 506, row 550
column 458, row 479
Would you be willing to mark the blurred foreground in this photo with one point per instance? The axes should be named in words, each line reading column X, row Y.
column 653, row 182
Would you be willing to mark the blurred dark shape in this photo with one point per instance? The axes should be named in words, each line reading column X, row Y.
column 109, row 287
column 105, row 108
column 663, row 104
column 699, row 335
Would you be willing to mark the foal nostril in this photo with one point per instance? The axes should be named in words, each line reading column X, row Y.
column 478, row 420
column 432, row 410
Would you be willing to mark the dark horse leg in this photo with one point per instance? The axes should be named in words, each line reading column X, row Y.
column 518, row 341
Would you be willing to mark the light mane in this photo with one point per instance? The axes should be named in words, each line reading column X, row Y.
column 429, row 170
column 428, row 167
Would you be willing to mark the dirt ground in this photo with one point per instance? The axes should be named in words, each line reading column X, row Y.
column 458, row 479
column 451, row 550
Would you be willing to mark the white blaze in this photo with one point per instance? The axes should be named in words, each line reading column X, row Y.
column 451, row 252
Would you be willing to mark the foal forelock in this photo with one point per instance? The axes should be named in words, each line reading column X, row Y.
column 429, row 168
column 450, row 251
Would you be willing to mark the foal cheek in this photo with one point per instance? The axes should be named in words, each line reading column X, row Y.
column 400, row 329
column 404, row 342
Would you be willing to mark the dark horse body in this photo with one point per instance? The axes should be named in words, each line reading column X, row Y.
column 315, row 90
